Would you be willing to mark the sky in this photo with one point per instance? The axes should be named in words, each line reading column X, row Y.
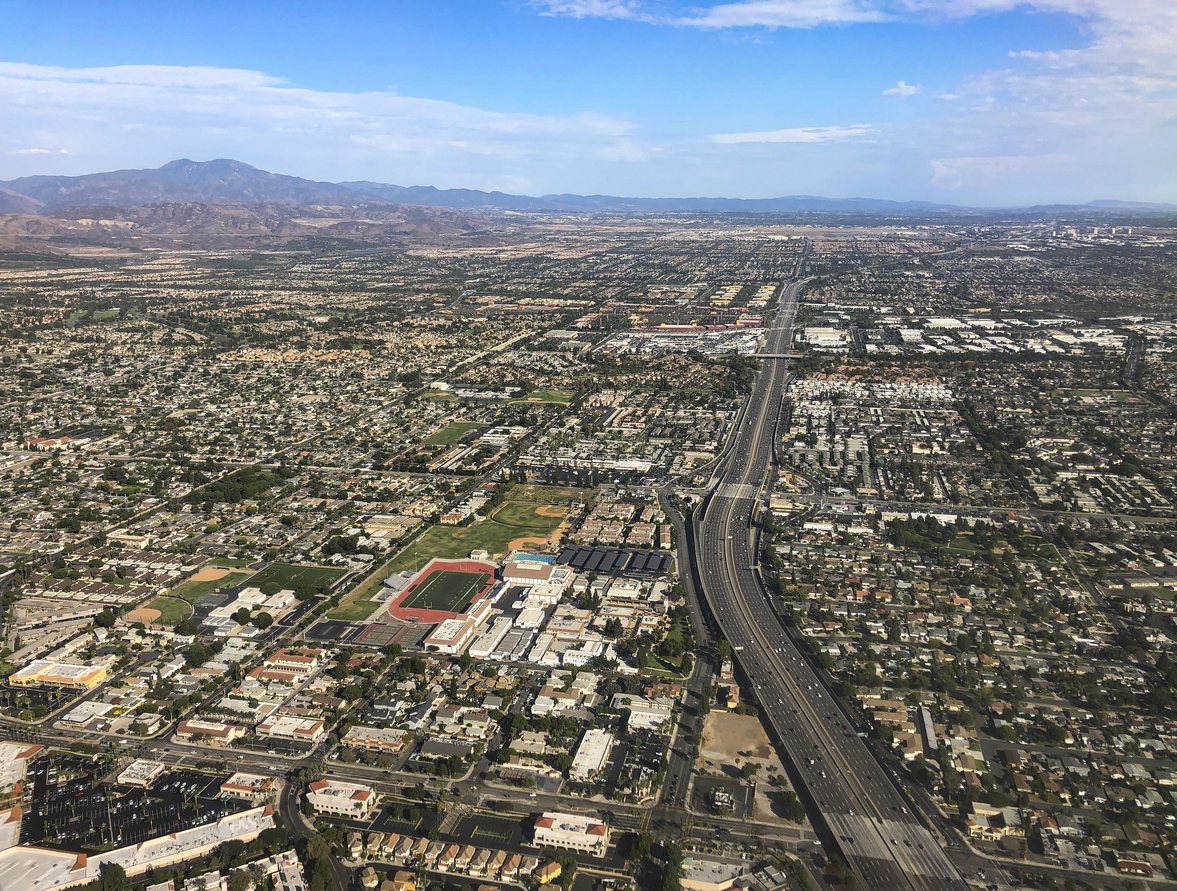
column 973, row 102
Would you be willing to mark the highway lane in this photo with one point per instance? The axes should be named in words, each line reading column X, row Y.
column 863, row 810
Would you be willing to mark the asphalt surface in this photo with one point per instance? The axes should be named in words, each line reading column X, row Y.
column 849, row 793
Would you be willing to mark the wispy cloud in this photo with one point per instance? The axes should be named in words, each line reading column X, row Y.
column 796, row 134
column 784, row 14
column 903, row 89
column 602, row 9
column 108, row 115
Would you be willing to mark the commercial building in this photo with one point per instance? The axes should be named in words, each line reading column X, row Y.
column 341, row 799
column 48, row 673
column 141, row 772
column 15, row 758
column 252, row 787
column 305, row 731
column 374, row 739
column 208, row 731
column 573, row 832
column 591, row 755
column 30, row 868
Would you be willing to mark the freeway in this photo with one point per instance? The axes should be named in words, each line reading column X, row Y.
column 846, row 790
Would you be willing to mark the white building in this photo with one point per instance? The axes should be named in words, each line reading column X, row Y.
column 450, row 636
column 341, row 799
column 573, row 832
column 289, row 727
column 141, row 772
column 643, row 711
column 591, row 755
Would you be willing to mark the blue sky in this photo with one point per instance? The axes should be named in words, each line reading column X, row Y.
column 984, row 102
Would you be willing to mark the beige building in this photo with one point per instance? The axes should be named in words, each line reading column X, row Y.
column 573, row 832
column 342, row 799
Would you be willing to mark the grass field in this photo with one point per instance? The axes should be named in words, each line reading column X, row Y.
column 193, row 591
column 521, row 514
column 451, row 434
column 446, row 590
column 291, row 576
column 563, row 397
column 172, row 610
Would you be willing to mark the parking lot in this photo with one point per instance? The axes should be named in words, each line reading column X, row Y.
column 503, row 833
column 82, row 813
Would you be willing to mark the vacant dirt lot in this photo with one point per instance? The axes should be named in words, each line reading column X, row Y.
column 729, row 742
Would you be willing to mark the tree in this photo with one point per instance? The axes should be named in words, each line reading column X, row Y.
column 263, row 620
column 241, row 617
column 642, row 845
column 241, row 880
column 114, row 877
column 672, row 870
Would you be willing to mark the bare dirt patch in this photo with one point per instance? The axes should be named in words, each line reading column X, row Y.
column 729, row 742
column 211, row 574
column 519, row 544
column 551, row 510
column 144, row 615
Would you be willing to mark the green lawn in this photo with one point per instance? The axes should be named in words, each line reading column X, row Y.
column 193, row 591
column 563, row 397
column 522, row 515
column 451, row 434
column 172, row 610
column 291, row 576
column 455, row 543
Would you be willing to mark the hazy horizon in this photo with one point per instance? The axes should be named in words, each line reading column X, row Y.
column 981, row 103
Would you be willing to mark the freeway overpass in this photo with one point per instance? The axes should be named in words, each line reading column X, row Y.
column 849, row 794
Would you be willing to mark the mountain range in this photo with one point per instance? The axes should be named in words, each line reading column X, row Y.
column 225, row 181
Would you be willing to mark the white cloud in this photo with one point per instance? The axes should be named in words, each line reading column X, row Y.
column 785, row 14
column 603, row 9
column 796, row 134
column 903, row 89
column 109, row 117
column 30, row 151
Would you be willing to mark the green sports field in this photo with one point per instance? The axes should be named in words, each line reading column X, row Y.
column 291, row 576
column 446, row 590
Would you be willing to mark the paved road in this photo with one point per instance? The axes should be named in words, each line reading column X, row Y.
column 848, row 792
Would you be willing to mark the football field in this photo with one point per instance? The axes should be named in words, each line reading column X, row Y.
column 446, row 590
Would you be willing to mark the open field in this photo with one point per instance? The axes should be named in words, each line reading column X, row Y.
column 563, row 397
column 553, row 494
column 289, row 576
column 451, row 434
column 529, row 516
column 172, row 610
column 358, row 603
column 192, row 590
column 446, row 590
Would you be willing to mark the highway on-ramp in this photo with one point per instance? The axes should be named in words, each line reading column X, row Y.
column 848, row 791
